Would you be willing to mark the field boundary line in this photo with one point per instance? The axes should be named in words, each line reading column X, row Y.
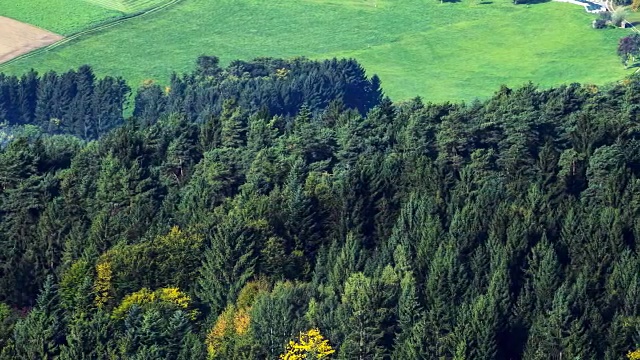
column 96, row 28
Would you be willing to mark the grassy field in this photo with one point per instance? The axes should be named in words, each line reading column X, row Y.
column 69, row 16
column 450, row 51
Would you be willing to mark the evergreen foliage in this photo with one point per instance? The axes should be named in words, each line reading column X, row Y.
column 248, row 205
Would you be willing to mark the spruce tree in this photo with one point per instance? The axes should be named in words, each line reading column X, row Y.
column 409, row 343
column 40, row 334
column 229, row 262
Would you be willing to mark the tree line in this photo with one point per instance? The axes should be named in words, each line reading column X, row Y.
column 80, row 104
column 336, row 225
column 75, row 102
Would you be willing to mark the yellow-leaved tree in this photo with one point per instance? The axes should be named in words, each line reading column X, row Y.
column 222, row 329
column 145, row 297
column 148, row 264
column 310, row 345
column 634, row 355
column 103, row 286
column 230, row 333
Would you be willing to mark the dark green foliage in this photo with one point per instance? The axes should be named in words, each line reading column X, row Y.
column 229, row 261
column 408, row 342
column 40, row 334
column 88, row 337
column 629, row 48
column 281, row 87
column 74, row 102
column 501, row 229
column 8, row 318
column 277, row 317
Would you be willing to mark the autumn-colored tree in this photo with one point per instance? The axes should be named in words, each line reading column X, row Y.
column 310, row 345
column 150, row 264
column 222, row 328
column 230, row 334
column 506, row 228
column 145, row 297
column 103, row 286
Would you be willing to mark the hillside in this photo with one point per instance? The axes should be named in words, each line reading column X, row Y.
column 264, row 209
column 450, row 51
column 67, row 17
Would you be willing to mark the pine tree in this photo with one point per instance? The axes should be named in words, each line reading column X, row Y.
column 81, row 120
column 229, row 262
column 301, row 222
column 233, row 123
column 549, row 331
column 177, row 328
column 40, row 334
column 192, row 348
column 545, row 274
column 363, row 315
column 409, row 340
column 150, row 104
column 27, row 96
column 88, row 337
column 277, row 317
column 348, row 261
column 45, row 100
column 484, row 329
column 443, row 292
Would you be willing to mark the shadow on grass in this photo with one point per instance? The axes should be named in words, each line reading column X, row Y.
column 485, row 2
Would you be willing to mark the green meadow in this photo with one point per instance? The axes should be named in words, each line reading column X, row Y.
column 66, row 17
column 451, row 51
column 59, row 16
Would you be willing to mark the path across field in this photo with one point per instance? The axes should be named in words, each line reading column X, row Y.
column 159, row 5
column 127, row 6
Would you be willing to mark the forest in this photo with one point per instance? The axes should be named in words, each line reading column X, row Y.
column 287, row 209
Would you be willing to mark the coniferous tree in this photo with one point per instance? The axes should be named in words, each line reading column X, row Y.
column 277, row 317
column 27, row 96
column 411, row 326
column 229, row 262
column 362, row 332
column 39, row 335
column 500, row 229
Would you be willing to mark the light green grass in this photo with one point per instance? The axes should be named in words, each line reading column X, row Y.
column 451, row 51
column 59, row 16
column 126, row 6
column 69, row 16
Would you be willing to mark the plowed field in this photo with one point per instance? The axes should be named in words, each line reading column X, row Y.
column 17, row 38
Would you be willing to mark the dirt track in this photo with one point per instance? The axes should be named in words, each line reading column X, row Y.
column 18, row 38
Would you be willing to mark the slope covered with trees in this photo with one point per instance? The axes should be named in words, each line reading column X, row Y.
column 283, row 210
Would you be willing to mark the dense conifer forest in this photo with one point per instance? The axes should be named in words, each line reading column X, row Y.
column 287, row 209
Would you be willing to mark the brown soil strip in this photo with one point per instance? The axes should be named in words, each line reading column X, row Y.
column 17, row 38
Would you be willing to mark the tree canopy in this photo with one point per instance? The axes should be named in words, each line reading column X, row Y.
column 285, row 208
